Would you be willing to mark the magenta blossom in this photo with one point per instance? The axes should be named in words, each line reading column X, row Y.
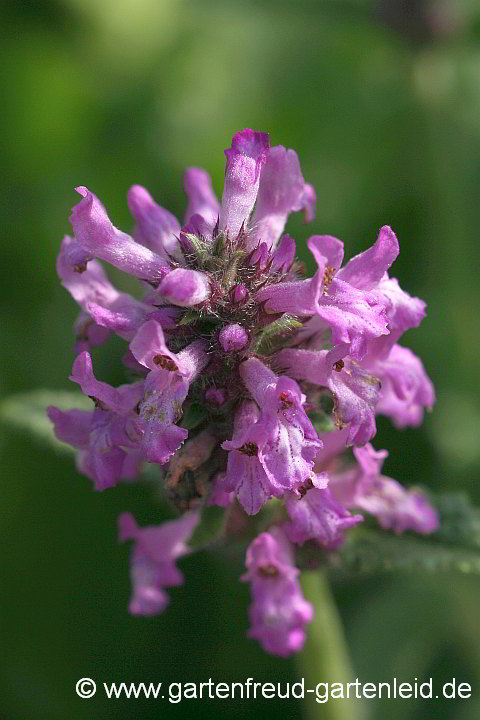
column 314, row 514
column 395, row 508
column 238, row 361
column 153, row 559
column 279, row 611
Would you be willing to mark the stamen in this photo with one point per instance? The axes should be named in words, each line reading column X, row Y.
column 328, row 276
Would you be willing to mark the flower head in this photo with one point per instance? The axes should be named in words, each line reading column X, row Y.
column 238, row 358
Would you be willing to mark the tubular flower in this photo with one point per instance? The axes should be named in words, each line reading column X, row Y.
column 395, row 508
column 279, row 611
column 153, row 559
column 238, row 363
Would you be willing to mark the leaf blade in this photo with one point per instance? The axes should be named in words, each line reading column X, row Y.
column 28, row 412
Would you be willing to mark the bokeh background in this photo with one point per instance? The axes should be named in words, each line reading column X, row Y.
column 381, row 100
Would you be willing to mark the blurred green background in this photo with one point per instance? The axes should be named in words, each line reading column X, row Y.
column 381, row 100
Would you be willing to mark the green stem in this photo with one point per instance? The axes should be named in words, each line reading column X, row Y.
column 325, row 658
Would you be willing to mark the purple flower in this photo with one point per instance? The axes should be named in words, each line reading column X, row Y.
column 341, row 302
column 406, row 388
column 85, row 283
column 165, row 389
column 235, row 357
column 157, row 228
column 284, row 255
column 202, row 200
column 245, row 160
column 291, row 440
column 395, row 507
column 247, row 473
column 282, row 190
column 88, row 333
column 355, row 391
column 119, row 400
column 102, row 304
column 314, row 514
column 403, row 312
column 153, row 559
column 95, row 233
column 219, row 495
column 366, row 270
column 279, row 611
column 240, row 293
column 107, row 438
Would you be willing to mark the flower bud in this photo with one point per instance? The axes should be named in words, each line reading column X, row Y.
column 233, row 338
column 184, row 287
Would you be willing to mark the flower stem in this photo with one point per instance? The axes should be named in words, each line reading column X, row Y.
column 325, row 658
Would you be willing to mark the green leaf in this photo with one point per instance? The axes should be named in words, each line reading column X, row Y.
column 211, row 527
column 200, row 319
column 193, row 416
column 459, row 519
column 27, row 412
column 321, row 421
column 455, row 546
column 230, row 273
column 368, row 551
column 200, row 247
column 190, row 317
column 218, row 245
column 274, row 335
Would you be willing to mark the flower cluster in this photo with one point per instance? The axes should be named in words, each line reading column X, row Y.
column 251, row 380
